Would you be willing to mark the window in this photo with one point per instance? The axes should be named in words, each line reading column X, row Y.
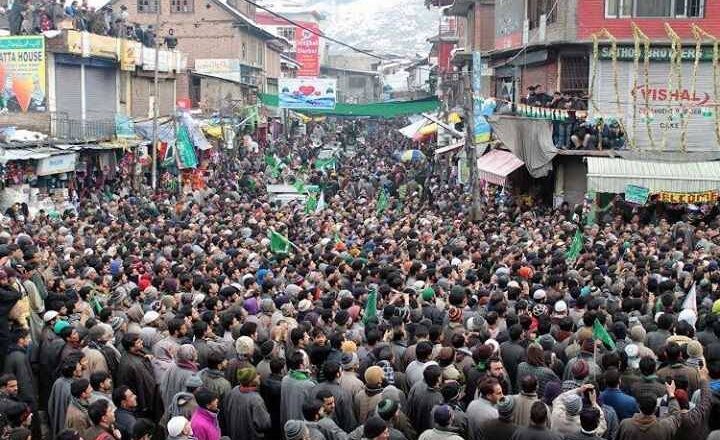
column 654, row 8
column 618, row 8
column 537, row 8
column 181, row 6
column 356, row 82
column 243, row 51
column 148, row 6
column 287, row 33
column 574, row 73
column 259, row 52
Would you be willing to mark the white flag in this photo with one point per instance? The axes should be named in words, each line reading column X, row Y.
column 321, row 202
column 690, row 302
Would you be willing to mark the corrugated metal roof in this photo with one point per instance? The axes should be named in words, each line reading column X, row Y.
column 612, row 175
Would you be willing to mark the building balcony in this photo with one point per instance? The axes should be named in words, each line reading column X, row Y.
column 68, row 129
column 128, row 53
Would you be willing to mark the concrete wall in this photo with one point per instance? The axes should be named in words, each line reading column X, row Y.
column 143, row 88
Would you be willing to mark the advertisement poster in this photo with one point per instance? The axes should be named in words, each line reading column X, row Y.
column 307, row 93
column 307, row 47
column 22, row 74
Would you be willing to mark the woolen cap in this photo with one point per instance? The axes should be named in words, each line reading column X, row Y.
column 374, row 426
column 374, row 375
column 294, row 430
column 505, row 407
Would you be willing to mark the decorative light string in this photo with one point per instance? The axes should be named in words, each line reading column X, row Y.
column 674, row 76
column 693, row 83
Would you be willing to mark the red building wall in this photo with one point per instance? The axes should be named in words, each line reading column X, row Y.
column 591, row 18
column 484, row 27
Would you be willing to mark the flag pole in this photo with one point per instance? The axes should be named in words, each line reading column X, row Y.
column 297, row 248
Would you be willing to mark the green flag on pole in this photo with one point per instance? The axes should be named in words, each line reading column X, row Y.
column 600, row 333
column 311, row 203
column 370, row 306
column 279, row 244
column 575, row 246
column 382, row 201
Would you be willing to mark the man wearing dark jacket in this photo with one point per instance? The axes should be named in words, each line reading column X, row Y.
column 8, row 298
column 423, row 397
column 270, row 391
column 589, row 421
column 125, row 401
column 18, row 364
column 245, row 416
column 344, row 414
column 501, row 428
column 512, row 353
column 538, row 426
column 136, row 371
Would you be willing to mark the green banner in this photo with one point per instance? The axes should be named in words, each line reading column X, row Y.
column 636, row 194
column 657, row 53
column 376, row 109
column 186, row 151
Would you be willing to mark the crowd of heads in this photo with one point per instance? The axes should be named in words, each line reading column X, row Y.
column 136, row 316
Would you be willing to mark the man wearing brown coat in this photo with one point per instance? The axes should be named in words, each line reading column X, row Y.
column 645, row 425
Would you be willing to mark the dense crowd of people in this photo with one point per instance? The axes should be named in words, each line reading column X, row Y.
column 389, row 315
column 31, row 17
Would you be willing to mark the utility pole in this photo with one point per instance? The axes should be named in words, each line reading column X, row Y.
column 156, row 106
column 470, row 153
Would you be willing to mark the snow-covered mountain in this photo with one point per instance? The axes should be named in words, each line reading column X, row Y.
column 390, row 26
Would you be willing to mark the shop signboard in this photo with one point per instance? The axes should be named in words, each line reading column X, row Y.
column 61, row 163
column 225, row 68
column 636, row 194
column 22, row 74
column 307, row 93
column 688, row 198
column 657, row 103
column 307, row 50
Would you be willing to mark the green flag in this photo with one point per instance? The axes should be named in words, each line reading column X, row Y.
column 299, row 186
column 382, row 201
column 370, row 306
column 323, row 164
column 279, row 244
column 274, row 164
column 599, row 332
column 311, row 203
column 575, row 247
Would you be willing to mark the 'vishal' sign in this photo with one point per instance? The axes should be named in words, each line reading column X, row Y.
column 662, row 94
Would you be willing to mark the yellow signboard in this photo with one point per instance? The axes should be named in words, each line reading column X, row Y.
column 129, row 52
column 22, row 74
column 701, row 197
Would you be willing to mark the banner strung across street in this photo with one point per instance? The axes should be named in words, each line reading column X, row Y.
column 307, row 93
column 22, row 74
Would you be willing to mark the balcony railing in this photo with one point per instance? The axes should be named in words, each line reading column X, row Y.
column 66, row 128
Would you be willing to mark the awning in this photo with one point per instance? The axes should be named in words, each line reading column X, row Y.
column 613, row 175
column 411, row 130
column 452, row 147
column 497, row 165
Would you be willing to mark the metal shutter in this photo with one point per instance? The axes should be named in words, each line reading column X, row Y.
column 69, row 102
column 700, row 128
column 100, row 93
